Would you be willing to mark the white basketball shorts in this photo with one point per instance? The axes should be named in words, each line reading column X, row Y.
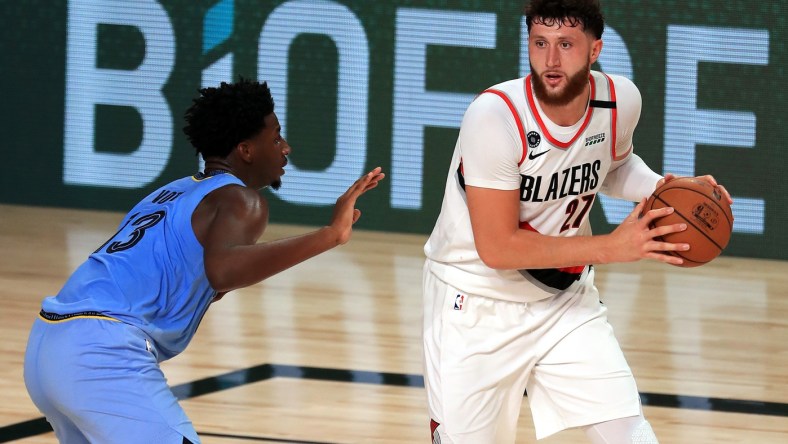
column 482, row 354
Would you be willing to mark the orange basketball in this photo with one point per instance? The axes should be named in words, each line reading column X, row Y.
column 702, row 207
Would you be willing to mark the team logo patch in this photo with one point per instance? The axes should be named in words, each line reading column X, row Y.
column 533, row 139
column 593, row 140
column 459, row 301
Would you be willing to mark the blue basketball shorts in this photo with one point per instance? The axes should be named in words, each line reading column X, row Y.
column 97, row 380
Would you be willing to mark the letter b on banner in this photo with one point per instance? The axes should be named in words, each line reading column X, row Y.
column 141, row 89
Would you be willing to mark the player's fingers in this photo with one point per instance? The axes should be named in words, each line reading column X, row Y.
column 710, row 179
column 374, row 173
column 637, row 212
column 360, row 186
column 657, row 246
column 651, row 215
column 356, row 214
column 666, row 258
column 371, row 185
column 357, row 189
column 665, row 179
column 725, row 193
column 667, row 229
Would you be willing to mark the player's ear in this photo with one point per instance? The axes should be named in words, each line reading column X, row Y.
column 596, row 49
column 244, row 151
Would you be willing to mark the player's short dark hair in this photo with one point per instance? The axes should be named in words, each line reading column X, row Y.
column 566, row 12
column 221, row 118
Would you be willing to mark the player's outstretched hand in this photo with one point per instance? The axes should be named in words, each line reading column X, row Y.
column 345, row 211
column 633, row 239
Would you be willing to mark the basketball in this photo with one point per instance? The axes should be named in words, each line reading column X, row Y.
column 702, row 207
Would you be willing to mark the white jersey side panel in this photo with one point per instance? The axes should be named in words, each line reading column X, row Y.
column 558, row 170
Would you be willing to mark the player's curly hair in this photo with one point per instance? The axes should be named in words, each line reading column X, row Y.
column 221, row 118
column 566, row 12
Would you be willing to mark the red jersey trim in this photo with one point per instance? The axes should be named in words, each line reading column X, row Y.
column 529, row 94
column 517, row 119
column 614, row 122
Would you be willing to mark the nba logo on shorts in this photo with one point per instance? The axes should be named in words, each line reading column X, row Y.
column 458, row 301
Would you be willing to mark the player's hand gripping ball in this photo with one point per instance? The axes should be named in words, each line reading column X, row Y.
column 705, row 211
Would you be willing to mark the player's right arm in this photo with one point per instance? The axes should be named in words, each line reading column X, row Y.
column 231, row 219
column 503, row 245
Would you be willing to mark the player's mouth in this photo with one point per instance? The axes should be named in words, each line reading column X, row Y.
column 553, row 78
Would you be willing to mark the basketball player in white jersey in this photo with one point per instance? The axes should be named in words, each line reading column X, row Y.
column 509, row 297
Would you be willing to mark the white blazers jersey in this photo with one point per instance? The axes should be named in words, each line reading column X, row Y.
column 507, row 143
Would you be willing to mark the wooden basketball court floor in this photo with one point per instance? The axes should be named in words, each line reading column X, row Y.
column 329, row 351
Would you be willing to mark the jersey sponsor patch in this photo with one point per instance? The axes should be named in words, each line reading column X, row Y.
column 596, row 138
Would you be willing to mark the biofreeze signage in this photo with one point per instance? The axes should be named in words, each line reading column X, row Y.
column 359, row 84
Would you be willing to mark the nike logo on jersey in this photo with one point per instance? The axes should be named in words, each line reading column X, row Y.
column 532, row 155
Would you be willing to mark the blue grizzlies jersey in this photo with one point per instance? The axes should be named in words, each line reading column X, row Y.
column 150, row 274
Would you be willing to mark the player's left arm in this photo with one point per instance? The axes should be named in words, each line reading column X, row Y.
column 630, row 178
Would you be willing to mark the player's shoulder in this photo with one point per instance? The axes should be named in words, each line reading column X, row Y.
column 628, row 98
column 510, row 86
column 237, row 199
column 497, row 97
column 625, row 87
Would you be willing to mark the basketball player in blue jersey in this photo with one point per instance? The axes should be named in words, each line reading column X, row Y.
column 92, row 358
column 509, row 298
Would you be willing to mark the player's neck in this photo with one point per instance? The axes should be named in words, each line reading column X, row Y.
column 217, row 165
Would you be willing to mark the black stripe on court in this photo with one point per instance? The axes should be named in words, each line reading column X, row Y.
column 24, row 429
column 264, row 372
column 259, row 438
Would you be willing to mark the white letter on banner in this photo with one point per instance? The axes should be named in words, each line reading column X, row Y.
column 217, row 28
column 88, row 86
column 283, row 25
column 686, row 125
column 414, row 106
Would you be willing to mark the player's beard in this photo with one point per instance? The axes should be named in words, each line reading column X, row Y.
column 275, row 185
column 575, row 85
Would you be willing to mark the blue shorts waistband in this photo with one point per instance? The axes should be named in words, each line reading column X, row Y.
column 56, row 317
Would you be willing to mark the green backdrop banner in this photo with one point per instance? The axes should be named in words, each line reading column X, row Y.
column 94, row 94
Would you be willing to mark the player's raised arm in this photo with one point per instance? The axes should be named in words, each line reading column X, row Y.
column 238, row 216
